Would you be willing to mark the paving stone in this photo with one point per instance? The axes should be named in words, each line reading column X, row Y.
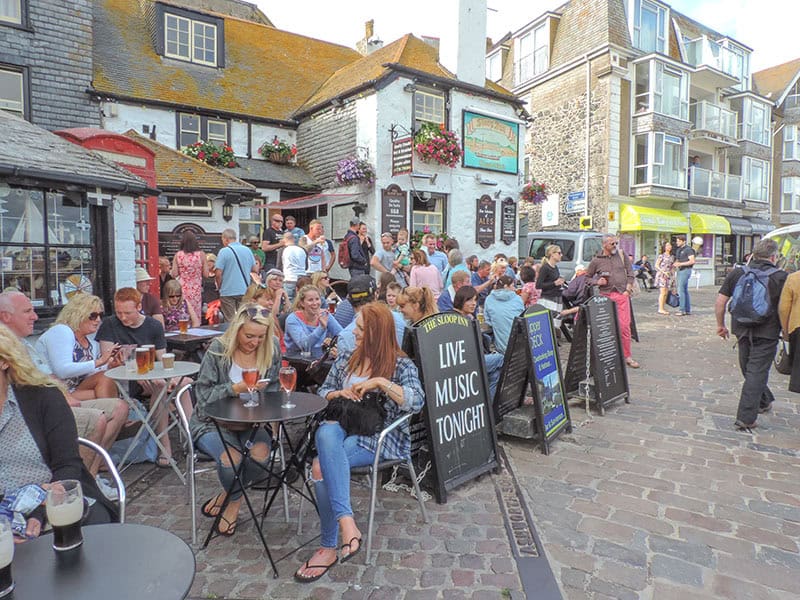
column 612, row 590
column 634, row 578
column 620, row 553
column 780, row 511
column 676, row 570
column 736, row 589
column 780, row 558
column 694, row 553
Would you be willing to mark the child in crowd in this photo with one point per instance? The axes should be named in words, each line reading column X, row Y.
column 392, row 292
column 402, row 250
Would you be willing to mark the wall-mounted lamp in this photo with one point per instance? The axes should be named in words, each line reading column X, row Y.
column 410, row 88
column 429, row 176
column 227, row 211
column 359, row 209
column 479, row 178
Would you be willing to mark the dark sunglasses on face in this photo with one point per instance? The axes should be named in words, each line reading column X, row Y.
column 95, row 315
column 174, row 295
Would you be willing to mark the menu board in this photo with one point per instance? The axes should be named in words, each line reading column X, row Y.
column 508, row 221
column 402, row 152
column 448, row 354
column 485, row 221
column 393, row 209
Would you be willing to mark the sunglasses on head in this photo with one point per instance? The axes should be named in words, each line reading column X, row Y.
column 257, row 311
column 95, row 315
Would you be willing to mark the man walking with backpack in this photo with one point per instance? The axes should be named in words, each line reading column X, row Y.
column 753, row 291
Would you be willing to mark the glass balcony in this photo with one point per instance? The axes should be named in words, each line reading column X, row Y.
column 703, row 51
column 753, row 133
column 713, row 184
column 710, row 117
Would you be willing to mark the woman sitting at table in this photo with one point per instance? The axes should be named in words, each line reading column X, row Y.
column 309, row 326
column 38, row 436
column 248, row 343
column 322, row 281
column 376, row 364
column 174, row 307
column 416, row 303
column 275, row 283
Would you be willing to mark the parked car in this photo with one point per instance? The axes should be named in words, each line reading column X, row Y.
column 788, row 239
column 576, row 247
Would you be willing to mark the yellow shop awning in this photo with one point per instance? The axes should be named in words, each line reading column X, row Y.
column 642, row 218
column 702, row 223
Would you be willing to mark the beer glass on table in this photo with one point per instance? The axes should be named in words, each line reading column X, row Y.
column 288, row 378
column 142, row 360
column 6, row 556
column 151, row 360
column 250, row 378
column 183, row 324
column 64, row 507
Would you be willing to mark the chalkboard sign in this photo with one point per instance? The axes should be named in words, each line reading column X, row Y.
column 402, row 152
column 597, row 320
column 448, row 354
column 508, row 221
column 515, row 376
column 485, row 221
column 393, row 209
column 550, row 399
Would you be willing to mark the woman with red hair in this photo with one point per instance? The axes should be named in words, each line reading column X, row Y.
column 376, row 364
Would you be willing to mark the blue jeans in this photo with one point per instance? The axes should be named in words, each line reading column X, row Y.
column 290, row 287
column 337, row 455
column 211, row 444
column 494, row 366
column 683, row 290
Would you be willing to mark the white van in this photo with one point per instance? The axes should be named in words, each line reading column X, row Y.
column 576, row 247
column 788, row 239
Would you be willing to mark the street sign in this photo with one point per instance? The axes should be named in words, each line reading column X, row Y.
column 576, row 203
column 586, row 222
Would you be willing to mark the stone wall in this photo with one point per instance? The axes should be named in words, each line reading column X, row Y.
column 556, row 142
column 326, row 138
column 55, row 49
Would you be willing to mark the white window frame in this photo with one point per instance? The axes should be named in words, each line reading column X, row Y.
column 195, row 52
column 659, row 147
column 790, row 194
column 13, row 105
column 183, row 129
column 494, row 66
column 219, row 140
column 533, row 61
column 662, row 21
column 742, row 66
column 430, row 107
column 791, row 142
column 187, row 205
column 751, row 129
column 793, row 97
column 661, row 72
column 11, row 11
column 755, row 191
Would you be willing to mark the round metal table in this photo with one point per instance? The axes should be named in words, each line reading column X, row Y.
column 232, row 410
column 124, row 562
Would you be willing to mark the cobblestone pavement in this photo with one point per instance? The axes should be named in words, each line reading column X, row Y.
column 660, row 498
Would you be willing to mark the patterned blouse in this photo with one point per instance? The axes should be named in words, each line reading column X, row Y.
column 173, row 314
column 22, row 460
column 79, row 354
column 397, row 444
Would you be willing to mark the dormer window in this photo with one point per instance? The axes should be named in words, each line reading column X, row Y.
column 429, row 107
column 191, row 37
column 533, row 52
column 494, row 66
column 650, row 26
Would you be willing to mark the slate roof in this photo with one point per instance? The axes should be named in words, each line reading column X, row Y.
column 30, row 151
column 265, row 173
column 587, row 24
column 235, row 8
column 772, row 82
column 176, row 171
column 268, row 72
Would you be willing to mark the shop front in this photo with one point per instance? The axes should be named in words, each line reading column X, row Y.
column 643, row 230
column 709, row 233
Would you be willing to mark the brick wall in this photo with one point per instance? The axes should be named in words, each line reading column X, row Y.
column 57, row 50
column 326, row 138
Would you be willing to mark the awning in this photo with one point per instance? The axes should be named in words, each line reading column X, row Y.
column 642, row 218
column 740, row 226
column 309, row 201
column 761, row 226
column 703, row 223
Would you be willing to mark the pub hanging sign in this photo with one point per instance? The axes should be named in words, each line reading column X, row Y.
column 485, row 221
column 508, row 221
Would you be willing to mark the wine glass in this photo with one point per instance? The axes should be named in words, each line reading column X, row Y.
column 250, row 378
column 288, row 378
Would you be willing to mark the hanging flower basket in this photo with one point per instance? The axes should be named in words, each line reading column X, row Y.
column 354, row 170
column 534, row 192
column 278, row 151
column 209, row 153
column 435, row 144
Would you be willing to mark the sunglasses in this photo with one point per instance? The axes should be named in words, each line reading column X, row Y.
column 95, row 315
column 257, row 311
column 174, row 295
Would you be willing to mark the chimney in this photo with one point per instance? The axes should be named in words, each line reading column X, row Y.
column 369, row 43
column 433, row 42
column 471, row 60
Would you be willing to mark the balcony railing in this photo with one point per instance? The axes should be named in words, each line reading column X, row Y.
column 713, row 184
column 703, row 51
column 710, row 117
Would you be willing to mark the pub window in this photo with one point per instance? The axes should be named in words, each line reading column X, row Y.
column 428, row 108
column 193, row 128
column 46, row 245
column 12, row 91
column 11, row 11
column 193, row 206
column 428, row 210
column 250, row 217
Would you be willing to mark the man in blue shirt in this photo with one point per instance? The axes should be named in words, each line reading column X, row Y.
column 482, row 282
column 445, row 301
column 291, row 227
column 234, row 264
column 435, row 257
column 360, row 291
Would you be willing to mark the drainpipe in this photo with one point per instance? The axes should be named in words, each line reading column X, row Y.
column 588, row 135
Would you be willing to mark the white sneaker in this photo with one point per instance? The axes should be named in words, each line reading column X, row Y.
column 109, row 491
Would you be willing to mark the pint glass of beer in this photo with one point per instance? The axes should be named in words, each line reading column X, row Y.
column 6, row 556
column 142, row 360
column 64, row 511
column 183, row 324
column 151, row 360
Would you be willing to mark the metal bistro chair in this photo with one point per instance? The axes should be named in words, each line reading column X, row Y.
column 112, row 469
column 418, row 439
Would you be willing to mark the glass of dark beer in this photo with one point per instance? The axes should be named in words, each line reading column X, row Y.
column 6, row 556
column 64, row 511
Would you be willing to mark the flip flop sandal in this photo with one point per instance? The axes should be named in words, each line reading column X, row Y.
column 210, row 505
column 230, row 528
column 348, row 545
column 299, row 577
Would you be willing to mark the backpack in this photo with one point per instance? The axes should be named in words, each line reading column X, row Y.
column 751, row 304
column 344, row 253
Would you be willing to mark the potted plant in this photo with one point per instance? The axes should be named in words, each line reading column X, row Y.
column 534, row 192
column 354, row 170
column 212, row 154
column 278, row 151
column 434, row 143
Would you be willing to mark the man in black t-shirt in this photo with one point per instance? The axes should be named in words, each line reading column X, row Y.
column 684, row 261
column 756, row 343
column 272, row 242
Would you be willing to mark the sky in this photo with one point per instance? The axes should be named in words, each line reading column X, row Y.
column 767, row 26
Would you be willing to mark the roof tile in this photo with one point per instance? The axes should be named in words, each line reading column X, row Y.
column 772, row 82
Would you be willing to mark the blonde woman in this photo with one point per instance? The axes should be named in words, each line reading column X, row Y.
column 175, row 307
column 416, row 303
column 248, row 343
column 37, row 422
column 309, row 326
column 322, row 281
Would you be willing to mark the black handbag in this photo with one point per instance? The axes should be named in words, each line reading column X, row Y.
column 317, row 371
column 358, row 418
column 673, row 299
column 783, row 360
